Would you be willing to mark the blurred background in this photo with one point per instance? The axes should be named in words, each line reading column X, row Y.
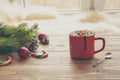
column 66, row 4
column 58, row 14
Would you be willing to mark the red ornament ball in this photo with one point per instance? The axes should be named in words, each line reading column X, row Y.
column 43, row 39
column 41, row 36
column 23, row 52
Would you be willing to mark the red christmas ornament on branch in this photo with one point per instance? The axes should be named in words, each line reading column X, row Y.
column 43, row 39
column 23, row 52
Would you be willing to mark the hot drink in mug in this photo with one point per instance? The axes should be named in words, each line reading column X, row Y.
column 82, row 44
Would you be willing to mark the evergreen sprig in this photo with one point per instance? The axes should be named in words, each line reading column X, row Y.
column 14, row 37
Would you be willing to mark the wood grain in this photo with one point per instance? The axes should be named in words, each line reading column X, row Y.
column 59, row 66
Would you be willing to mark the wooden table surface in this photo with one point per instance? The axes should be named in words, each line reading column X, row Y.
column 59, row 66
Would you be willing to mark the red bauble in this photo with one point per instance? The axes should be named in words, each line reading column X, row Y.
column 23, row 52
column 43, row 39
column 42, row 36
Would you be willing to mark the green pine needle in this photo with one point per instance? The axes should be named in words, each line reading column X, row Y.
column 12, row 38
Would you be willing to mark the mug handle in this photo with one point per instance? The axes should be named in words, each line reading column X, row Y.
column 103, row 46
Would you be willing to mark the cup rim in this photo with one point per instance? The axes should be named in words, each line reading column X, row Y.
column 71, row 33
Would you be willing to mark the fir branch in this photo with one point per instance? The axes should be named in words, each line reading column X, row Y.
column 14, row 37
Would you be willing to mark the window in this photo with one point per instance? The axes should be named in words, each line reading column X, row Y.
column 11, row 2
column 60, row 4
column 69, row 6
column 112, row 4
column 109, row 5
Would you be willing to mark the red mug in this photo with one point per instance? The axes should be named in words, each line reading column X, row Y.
column 82, row 47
